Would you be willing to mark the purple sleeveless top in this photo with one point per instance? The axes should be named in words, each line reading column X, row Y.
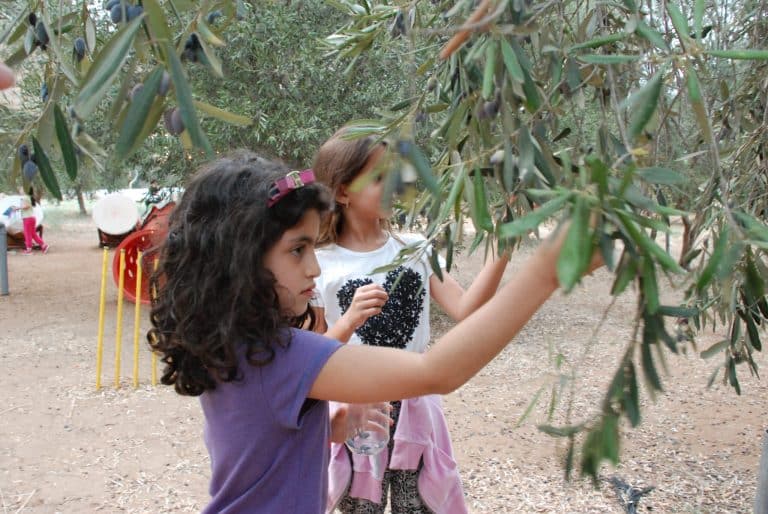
column 269, row 443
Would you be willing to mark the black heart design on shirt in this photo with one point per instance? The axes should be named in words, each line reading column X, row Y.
column 395, row 325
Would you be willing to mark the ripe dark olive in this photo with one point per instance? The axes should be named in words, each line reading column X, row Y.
column 165, row 84
column 23, row 153
column 79, row 48
column 398, row 26
column 491, row 108
column 116, row 13
column 173, row 122
column 29, row 170
column 403, row 147
column 41, row 35
column 134, row 12
column 191, row 48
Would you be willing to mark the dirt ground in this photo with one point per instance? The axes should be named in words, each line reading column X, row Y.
column 66, row 447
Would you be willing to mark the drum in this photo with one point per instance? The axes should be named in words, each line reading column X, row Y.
column 116, row 216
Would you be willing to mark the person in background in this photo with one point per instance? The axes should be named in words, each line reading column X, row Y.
column 30, row 223
column 353, row 304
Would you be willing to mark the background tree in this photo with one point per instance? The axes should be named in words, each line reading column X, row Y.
column 616, row 116
column 270, row 88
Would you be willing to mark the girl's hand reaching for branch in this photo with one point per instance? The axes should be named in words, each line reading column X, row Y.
column 368, row 301
column 6, row 77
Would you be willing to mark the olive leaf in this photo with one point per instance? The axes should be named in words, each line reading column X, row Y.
column 65, row 143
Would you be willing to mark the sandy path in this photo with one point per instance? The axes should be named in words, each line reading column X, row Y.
column 69, row 448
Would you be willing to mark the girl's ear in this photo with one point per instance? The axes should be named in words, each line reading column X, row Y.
column 342, row 196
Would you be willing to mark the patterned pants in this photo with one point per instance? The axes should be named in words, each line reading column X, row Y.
column 400, row 484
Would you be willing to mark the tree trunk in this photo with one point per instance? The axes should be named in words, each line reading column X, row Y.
column 80, row 200
column 761, row 500
column 687, row 243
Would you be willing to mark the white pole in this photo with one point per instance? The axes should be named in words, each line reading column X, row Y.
column 3, row 261
column 761, row 500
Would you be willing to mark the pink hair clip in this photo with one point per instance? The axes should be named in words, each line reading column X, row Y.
column 291, row 181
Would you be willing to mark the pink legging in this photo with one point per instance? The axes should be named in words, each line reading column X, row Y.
column 30, row 234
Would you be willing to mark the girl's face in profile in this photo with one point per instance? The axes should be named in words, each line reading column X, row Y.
column 293, row 263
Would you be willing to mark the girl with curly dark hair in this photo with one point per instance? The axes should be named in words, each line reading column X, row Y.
column 235, row 277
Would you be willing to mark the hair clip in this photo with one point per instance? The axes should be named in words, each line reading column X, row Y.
column 291, row 181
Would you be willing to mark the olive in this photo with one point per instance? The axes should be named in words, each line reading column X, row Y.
column 173, row 122
column 23, row 153
column 79, row 48
column 29, row 170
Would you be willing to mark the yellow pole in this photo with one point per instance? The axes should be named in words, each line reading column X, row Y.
column 154, row 355
column 119, row 333
column 136, row 320
column 154, row 369
column 102, row 305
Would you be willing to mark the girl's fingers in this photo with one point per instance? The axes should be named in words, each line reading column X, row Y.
column 371, row 288
column 6, row 77
column 365, row 313
column 367, row 301
column 380, row 418
column 371, row 311
column 376, row 299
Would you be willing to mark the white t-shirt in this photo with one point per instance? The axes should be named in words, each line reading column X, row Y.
column 404, row 320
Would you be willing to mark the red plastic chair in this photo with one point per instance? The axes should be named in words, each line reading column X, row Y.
column 145, row 241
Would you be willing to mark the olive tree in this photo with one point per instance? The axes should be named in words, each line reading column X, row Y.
column 618, row 117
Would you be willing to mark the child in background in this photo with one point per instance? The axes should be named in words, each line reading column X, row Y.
column 391, row 310
column 235, row 277
column 30, row 223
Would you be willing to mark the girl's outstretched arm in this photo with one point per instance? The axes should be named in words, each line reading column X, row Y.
column 458, row 303
column 358, row 374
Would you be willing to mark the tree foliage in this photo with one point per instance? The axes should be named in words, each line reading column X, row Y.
column 257, row 77
column 618, row 116
column 277, row 73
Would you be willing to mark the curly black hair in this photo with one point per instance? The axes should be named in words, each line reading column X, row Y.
column 213, row 293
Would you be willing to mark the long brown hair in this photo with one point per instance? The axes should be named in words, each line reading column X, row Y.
column 337, row 163
column 32, row 198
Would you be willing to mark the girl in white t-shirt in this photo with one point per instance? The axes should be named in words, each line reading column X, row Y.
column 386, row 309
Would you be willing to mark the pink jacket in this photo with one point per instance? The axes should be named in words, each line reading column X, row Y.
column 421, row 433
